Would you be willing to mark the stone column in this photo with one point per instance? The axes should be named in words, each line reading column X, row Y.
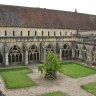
column 6, row 59
column 73, row 53
column 80, row 54
column 73, row 50
column 43, row 52
column 60, row 53
column 6, row 54
column 44, row 58
column 26, row 57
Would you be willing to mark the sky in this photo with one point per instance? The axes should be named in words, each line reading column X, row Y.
column 82, row 6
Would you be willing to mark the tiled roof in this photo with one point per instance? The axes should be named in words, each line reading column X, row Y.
column 15, row 16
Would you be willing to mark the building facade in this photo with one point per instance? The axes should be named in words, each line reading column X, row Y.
column 27, row 34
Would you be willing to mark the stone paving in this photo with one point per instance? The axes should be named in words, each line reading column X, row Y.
column 63, row 83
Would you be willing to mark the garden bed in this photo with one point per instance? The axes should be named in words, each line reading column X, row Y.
column 17, row 77
column 76, row 70
column 91, row 87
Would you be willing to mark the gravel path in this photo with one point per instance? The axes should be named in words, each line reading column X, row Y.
column 63, row 83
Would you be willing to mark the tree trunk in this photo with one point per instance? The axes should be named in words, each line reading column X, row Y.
column 50, row 75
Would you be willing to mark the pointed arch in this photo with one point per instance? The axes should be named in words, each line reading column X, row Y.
column 66, row 52
column 15, row 55
column 33, row 53
column 76, row 51
column 49, row 48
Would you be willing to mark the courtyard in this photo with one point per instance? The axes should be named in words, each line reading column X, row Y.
column 28, row 81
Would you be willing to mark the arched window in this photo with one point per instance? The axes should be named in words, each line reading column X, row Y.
column 35, row 33
column 42, row 33
column 28, row 33
column 15, row 54
column 49, row 48
column 13, row 33
column 66, row 52
column 33, row 53
column 48, row 33
column 5, row 33
column 54, row 33
column 60, row 33
column 21, row 33
column 76, row 52
column 65, row 33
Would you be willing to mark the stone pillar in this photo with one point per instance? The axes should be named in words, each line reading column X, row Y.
column 80, row 54
column 44, row 58
column 73, row 53
column 89, row 57
column 73, row 50
column 26, row 57
column 6, row 59
column 60, row 53
column 6, row 55
column 43, row 52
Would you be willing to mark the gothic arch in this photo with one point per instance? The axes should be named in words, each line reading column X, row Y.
column 66, row 52
column 15, row 55
column 33, row 53
column 84, row 53
column 76, row 51
column 49, row 48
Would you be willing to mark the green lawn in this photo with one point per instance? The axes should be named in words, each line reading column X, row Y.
column 91, row 87
column 76, row 70
column 54, row 94
column 17, row 77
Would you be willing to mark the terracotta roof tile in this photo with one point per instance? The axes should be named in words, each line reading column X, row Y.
column 16, row 16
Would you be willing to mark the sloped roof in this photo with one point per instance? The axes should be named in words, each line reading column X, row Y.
column 16, row 16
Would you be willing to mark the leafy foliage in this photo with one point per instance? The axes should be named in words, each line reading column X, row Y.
column 51, row 65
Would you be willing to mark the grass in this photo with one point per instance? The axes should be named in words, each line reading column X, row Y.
column 91, row 87
column 54, row 94
column 17, row 77
column 75, row 70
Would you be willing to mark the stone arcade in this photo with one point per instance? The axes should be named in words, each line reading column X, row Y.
column 27, row 34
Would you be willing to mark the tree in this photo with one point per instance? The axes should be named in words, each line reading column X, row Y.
column 51, row 65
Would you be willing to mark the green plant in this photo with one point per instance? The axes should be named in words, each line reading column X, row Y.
column 50, row 66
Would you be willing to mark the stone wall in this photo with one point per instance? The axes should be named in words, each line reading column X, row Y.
column 24, row 38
